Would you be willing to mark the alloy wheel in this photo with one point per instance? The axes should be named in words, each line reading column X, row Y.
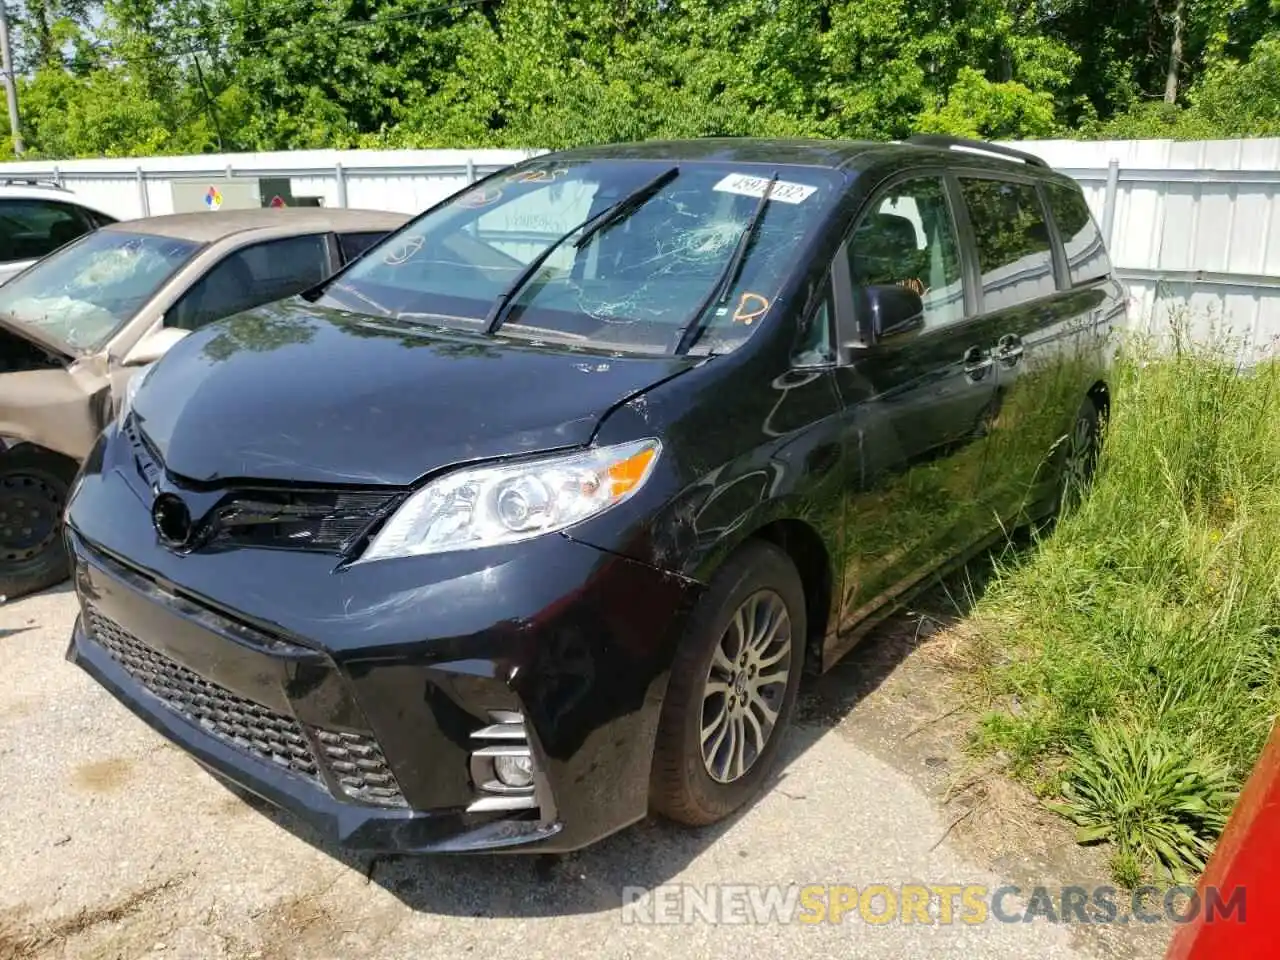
column 1078, row 463
column 745, row 686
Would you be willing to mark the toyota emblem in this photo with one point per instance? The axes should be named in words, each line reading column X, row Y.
column 172, row 520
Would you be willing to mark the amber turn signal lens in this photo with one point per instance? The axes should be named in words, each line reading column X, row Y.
column 628, row 474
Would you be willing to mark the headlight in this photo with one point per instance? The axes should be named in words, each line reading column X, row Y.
column 505, row 503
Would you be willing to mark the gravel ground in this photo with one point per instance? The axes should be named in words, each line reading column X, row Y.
column 115, row 845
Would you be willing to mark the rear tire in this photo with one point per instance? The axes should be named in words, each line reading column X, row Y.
column 1079, row 458
column 33, row 493
column 732, row 689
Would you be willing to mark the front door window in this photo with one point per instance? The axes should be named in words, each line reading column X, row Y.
column 908, row 239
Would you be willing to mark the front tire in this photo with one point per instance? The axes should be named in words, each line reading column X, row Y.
column 33, row 492
column 732, row 690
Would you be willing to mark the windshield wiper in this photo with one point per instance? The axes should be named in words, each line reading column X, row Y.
column 347, row 288
column 589, row 227
column 719, row 293
column 625, row 207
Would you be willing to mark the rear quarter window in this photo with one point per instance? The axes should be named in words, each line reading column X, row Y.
column 1086, row 253
column 352, row 245
column 97, row 217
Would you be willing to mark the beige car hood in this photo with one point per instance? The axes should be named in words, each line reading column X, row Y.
column 60, row 407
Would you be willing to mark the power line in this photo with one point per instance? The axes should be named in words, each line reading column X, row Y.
column 249, row 16
column 342, row 27
column 220, row 21
column 328, row 29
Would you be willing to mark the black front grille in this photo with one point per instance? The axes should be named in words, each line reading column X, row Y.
column 324, row 520
column 243, row 723
column 144, row 455
column 328, row 521
column 353, row 760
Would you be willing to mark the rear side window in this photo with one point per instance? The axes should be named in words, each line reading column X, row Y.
column 351, row 245
column 1015, row 254
column 97, row 217
column 30, row 229
column 1081, row 238
column 255, row 275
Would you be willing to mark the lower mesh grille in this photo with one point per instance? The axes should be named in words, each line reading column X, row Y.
column 354, row 760
column 359, row 766
column 244, row 723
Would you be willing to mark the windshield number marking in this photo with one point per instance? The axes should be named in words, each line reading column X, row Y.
column 751, row 307
column 537, row 175
column 484, row 197
column 403, row 252
column 784, row 191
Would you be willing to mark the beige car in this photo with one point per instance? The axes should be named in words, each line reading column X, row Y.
column 76, row 326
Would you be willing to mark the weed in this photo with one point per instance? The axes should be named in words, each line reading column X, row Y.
column 1147, row 794
column 1140, row 641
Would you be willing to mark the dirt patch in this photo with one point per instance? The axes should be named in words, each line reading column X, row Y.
column 298, row 927
column 23, row 940
column 22, row 707
column 16, row 942
column 103, row 776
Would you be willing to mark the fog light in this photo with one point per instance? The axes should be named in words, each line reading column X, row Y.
column 502, row 769
column 514, row 771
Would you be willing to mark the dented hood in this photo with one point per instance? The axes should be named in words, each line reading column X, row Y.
column 292, row 392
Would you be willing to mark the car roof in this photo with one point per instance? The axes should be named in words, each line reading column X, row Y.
column 792, row 152
column 854, row 156
column 211, row 226
column 42, row 190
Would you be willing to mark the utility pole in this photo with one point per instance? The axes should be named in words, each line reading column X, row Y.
column 10, row 85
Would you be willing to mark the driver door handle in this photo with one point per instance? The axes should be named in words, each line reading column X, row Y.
column 976, row 362
column 1009, row 349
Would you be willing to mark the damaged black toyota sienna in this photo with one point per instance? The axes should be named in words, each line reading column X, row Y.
column 528, row 521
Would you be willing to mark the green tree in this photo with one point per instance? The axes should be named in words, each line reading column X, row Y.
column 124, row 77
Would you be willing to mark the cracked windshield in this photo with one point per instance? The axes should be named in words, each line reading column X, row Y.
column 622, row 255
column 85, row 292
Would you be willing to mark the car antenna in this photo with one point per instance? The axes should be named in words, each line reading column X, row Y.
column 717, row 295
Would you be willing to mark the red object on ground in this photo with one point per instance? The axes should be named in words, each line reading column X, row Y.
column 1248, row 856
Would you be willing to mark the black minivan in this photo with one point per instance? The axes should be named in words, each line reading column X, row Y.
column 528, row 521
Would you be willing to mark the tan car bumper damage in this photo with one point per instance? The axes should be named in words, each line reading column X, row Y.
column 60, row 410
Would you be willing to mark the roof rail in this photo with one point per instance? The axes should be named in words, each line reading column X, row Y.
column 48, row 183
column 944, row 142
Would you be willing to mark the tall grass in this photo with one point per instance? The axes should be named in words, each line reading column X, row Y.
column 1132, row 657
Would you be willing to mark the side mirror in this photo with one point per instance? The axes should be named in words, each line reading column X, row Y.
column 152, row 347
column 892, row 311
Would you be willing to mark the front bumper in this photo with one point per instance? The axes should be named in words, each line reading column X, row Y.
column 261, row 664
column 345, row 824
